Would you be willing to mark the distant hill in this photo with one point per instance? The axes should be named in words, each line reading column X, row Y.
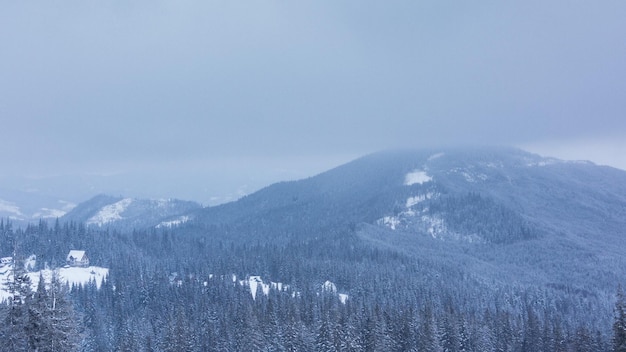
column 104, row 210
column 24, row 207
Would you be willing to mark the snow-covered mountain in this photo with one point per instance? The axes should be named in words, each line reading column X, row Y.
column 490, row 195
column 104, row 210
column 505, row 213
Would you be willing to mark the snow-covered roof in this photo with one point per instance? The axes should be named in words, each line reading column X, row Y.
column 77, row 255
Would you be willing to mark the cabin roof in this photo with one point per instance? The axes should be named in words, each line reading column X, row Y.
column 76, row 254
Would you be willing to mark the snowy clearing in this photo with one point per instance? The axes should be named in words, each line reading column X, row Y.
column 73, row 276
column 416, row 177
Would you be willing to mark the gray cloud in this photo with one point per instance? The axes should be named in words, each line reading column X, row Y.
column 88, row 84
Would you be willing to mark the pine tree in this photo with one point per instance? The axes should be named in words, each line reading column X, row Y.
column 14, row 333
column 37, row 327
column 324, row 340
column 46, row 318
column 619, row 324
column 428, row 335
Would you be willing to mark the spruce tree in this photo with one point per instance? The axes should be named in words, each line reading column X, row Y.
column 59, row 322
column 14, row 333
column 619, row 324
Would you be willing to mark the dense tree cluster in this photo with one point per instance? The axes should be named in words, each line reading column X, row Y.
column 43, row 320
column 396, row 302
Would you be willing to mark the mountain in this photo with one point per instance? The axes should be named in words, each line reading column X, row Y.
column 119, row 212
column 501, row 217
column 492, row 195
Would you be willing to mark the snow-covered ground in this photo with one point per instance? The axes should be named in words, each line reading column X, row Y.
column 71, row 275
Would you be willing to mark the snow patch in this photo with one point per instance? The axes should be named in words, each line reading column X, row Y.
column 411, row 211
column 470, row 176
column 30, row 262
column 343, row 298
column 390, row 221
column 416, row 177
column 411, row 201
column 329, row 287
column 110, row 213
column 473, row 177
column 435, row 225
column 254, row 282
column 181, row 220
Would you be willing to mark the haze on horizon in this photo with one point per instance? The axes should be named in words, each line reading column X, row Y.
column 206, row 100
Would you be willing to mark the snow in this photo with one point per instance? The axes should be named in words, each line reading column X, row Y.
column 473, row 177
column 181, row 220
column 76, row 254
column 73, row 276
column 411, row 201
column 416, row 177
column 30, row 262
column 254, row 282
column 329, row 286
column 343, row 298
column 470, row 175
column 109, row 213
column 391, row 221
column 435, row 225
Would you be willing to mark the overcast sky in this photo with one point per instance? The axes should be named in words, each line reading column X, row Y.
column 242, row 93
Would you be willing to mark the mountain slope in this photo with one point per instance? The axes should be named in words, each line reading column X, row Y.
column 531, row 193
